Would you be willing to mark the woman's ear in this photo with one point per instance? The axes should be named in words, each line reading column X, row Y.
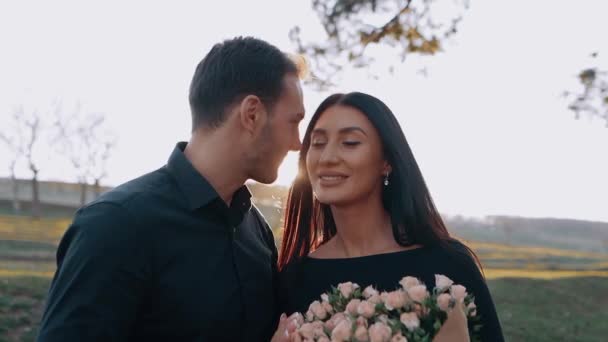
column 386, row 168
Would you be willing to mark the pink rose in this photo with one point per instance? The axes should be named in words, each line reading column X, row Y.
column 383, row 319
column 370, row 291
column 366, row 309
column 325, row 339
column 346, row 289
column 395, row 300
column 458, row 292
column 334, row 321
column 342, row 332
column 361, row 334
column 307, row 331
column 472, row 308
column 379, row 332
column 317, row 329
column 398, row 338
column 442, row 282
column 352, row 306
column 297, row 338
column 410, row 320
column 310, row 316
column 408, row 282
column 298, row 318
column 418, row 293
column 443, row 301
column 318, row 310
column 375, row 299
column 361, row 321
column 325, row 303
column 328, row 307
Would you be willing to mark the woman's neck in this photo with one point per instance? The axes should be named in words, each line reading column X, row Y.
column 363, row 228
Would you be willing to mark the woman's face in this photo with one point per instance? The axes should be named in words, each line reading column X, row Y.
column 345, row 162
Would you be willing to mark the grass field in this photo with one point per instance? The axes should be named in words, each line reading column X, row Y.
column 541, row 293
column 21, row 305
column 570, row 309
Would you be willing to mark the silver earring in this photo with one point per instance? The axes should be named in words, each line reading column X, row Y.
column 386, row 179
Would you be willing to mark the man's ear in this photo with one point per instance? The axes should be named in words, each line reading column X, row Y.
column 252, row 113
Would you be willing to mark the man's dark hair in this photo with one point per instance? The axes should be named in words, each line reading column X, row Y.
column 232, row 70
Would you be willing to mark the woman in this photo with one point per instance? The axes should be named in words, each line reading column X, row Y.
column 360, row 211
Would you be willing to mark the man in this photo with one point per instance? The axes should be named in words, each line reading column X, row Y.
column 180, row 254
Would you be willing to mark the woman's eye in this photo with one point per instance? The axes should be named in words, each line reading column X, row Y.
column 351, row 143
column 317, row 143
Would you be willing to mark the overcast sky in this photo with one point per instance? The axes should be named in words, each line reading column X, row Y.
column 487, row 125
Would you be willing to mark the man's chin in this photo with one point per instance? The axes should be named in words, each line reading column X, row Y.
column 266, row 179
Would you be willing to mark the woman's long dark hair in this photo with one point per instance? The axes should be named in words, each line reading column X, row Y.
column 414, row 218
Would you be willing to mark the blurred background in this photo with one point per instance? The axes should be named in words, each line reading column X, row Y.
column 505, row 105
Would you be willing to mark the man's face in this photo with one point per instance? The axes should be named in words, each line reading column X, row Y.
column 281, row 133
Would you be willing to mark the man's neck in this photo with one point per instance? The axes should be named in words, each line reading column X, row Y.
column 214, row 157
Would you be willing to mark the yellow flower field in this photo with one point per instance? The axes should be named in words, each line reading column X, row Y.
column 28, row 229
column 499, row 260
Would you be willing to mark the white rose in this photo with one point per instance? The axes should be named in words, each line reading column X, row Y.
column 442, row 282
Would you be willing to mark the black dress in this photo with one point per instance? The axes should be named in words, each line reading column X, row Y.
column 303, row 281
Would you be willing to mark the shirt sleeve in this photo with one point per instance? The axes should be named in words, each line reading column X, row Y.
column 99, row 281
column 268, row 237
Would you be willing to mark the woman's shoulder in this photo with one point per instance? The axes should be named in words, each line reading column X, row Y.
column 288, row 272
column 456, row 254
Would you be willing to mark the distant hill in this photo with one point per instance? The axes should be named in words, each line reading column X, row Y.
column 60, row 199
column 511, row 230
column 550, row 232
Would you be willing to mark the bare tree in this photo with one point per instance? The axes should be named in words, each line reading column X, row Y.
column 24, row 136
column 13, row 145
column 353, row 27
column 592, row 99
column 99, row 161
column 33, row 133
column 79, row 140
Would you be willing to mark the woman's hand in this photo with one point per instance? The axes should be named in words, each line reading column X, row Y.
column 455, row 328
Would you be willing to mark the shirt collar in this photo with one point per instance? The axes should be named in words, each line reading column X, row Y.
column 197, row 190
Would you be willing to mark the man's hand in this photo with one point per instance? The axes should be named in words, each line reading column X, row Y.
column 287, row 327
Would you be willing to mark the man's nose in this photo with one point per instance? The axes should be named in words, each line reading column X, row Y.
column 296, row 144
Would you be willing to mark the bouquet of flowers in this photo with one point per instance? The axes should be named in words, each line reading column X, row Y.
column 410, row 313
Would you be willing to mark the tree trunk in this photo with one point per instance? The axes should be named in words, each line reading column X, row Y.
column 15, row 185
column 83, row 192
column 97, row 188
column 35, row 196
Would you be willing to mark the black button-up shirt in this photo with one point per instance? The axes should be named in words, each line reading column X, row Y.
column 163, row 258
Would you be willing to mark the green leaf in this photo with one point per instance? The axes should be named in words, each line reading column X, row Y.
column 437, row 324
